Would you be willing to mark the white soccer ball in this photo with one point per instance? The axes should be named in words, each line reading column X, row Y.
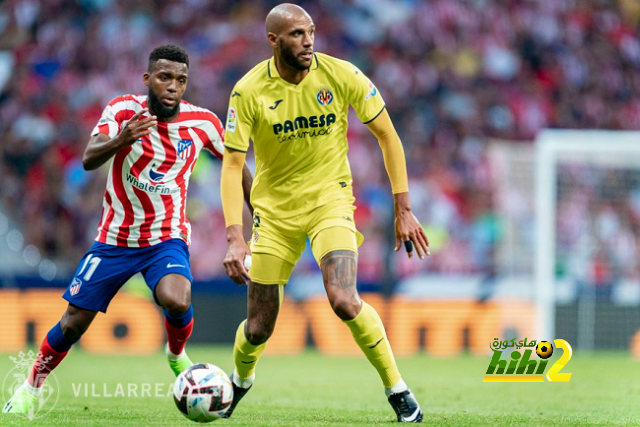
column 203, row 392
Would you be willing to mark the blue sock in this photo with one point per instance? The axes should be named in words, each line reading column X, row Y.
column 181, row 320
column 58, row 341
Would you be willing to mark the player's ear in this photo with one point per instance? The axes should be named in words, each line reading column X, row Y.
column 273, row 39
column 145, row 79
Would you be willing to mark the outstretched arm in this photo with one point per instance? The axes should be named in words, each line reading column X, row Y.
column 101, row 148
column 407, row 227
column 231, row 193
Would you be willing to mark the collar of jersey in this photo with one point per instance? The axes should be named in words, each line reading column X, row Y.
column 272, row 71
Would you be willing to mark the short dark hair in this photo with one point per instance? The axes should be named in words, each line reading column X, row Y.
column 170, row 53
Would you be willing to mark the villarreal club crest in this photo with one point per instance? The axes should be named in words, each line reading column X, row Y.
column 324, row 97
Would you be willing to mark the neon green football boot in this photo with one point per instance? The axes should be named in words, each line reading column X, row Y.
column 23, row 401
column 178, row 363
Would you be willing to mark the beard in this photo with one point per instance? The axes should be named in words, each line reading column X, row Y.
column 290, row 59
column 160, row 110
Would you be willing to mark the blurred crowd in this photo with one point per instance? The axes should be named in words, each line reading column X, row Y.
column 600, row 248
column 454, row 74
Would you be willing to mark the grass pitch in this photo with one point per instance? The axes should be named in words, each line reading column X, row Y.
column 312, row 389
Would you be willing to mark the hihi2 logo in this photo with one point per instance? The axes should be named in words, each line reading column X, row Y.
column 521, row 368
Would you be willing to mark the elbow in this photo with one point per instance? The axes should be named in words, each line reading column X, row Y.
column 388, row 139
column 87, row 163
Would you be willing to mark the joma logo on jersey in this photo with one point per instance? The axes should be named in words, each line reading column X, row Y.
column 304, row 123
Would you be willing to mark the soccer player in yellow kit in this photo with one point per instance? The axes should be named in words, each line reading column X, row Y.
column 294, row 107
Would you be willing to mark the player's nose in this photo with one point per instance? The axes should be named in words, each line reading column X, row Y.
column 307, row 41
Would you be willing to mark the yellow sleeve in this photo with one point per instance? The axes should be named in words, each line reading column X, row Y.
column 240, row 119
column 392, row 151
column 364, row 97
column 231, row 191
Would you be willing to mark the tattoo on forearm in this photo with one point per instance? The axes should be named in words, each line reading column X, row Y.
column 339, row 269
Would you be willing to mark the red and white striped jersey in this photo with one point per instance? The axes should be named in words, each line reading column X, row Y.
column 145, row 199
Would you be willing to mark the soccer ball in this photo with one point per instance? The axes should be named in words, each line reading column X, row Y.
column 203, row 392
column 544, row 349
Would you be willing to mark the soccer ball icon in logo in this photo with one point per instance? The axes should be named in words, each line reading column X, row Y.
column 544, row 349
column 203, row 392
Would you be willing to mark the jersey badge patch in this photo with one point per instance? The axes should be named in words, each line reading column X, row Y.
column 232, row 119
column 185, row 148
column 105, row 114
column 373, row 91
column 324, row 97
column 75, row 286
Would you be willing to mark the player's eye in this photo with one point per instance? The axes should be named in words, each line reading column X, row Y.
column 182, row 82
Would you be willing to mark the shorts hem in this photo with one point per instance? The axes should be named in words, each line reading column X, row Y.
column 82, row 306
column 269, row 282
column 355, row 251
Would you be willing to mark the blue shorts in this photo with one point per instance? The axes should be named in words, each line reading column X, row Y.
column 105, row 268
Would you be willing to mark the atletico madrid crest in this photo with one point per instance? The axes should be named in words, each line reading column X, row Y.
column 184, row 148
column 75, row 286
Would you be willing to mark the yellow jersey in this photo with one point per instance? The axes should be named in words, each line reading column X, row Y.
column 299, row 132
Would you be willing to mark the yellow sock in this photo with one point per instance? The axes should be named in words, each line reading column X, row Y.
column 245, row 354
column 368, row 331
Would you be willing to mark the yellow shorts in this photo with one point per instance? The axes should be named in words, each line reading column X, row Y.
column 276, row 244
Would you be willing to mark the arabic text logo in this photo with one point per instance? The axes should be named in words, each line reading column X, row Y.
column 523, row 366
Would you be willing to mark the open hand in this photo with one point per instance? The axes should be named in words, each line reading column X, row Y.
column 410, row 232
column 136, row 127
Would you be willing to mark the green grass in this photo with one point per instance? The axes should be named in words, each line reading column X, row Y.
column 312, row 389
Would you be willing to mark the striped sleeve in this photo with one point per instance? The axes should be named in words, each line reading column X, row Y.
column 117, row 111
column 215, row 143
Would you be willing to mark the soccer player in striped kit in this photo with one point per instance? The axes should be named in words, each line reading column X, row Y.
column 154, row 141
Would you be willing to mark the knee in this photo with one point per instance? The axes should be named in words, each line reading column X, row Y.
column 346, row 307
column 173, row 293
column 258, row 333
column 177, row 306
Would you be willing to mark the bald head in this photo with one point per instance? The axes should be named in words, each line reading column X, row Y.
column 291, row 33
column 283, row 15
